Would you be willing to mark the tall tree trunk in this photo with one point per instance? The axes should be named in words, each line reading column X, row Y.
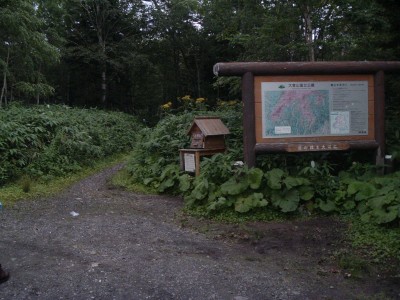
column 4, row 88
column 104, row 86
column 102, row 43
column 198, row 85
column 98, row 18
column 308, row 32
column 38, row 81
column 68, row 88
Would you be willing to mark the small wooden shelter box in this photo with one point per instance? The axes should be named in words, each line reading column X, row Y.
column 207, row 138
column 208, row 133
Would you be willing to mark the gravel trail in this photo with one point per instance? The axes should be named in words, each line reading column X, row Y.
column 94, row 241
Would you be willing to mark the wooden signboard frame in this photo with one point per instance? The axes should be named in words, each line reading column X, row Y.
column 255, row 73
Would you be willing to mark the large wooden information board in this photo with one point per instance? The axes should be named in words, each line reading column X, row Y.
column 311, row 106
column 314, row 112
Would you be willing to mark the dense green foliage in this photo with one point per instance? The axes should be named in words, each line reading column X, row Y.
column 48, row 141
column 155, row 160
column 307, row 183
column 24, row 50
column 135, row 55
column 138, row 55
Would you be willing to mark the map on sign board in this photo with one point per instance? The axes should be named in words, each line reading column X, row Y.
column 320, row 108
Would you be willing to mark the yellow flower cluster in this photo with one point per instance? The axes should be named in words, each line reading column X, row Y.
column 167, row 105
column 200, row 100
column 186, row 98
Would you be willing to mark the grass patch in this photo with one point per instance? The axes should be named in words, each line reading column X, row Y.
column 229, row 216
column 26, row 188
column 380, row 242
column 370, row 249
column 354, row 265
column 124, row 180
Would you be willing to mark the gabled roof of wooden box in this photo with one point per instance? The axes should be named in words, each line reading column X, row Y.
column 210, row 126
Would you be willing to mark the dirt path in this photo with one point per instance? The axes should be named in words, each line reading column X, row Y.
column 129, row 246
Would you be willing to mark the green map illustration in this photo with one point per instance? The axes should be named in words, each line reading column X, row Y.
column 296, row 113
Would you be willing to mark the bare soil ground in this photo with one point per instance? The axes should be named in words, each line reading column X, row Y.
column 95, row 241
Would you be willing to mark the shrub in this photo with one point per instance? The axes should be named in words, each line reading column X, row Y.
column 43, row 141
column 304, row 183
column 155, row 158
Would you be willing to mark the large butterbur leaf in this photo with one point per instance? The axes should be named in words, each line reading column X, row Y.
column 201, row 190
column 306, row 193
column 380, row 201
column 327, row 205
column 287, row 201
column 234, row 187
column 291, row 182
column 366, row 192
column 381, row 216
column 244, row 204
column 274, row 178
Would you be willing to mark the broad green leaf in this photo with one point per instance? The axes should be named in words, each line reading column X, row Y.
column 363, row 190
column 367, row 217
column 355, row 187
column 366, row 192
column 306, row 193
column 166, row 184
column 287, row 201
column 212, row 206
column 244, row 204
column 232, row 187
column 258, row 200
column 184, row 182
column 147, row 181
column 291, row 182
column 379, row 202
column 349, row 205
column 327, row 206
column 362, row 207
column 274, row 178
column 255, row 176
column 201, row 190
column 386, row 189
column 212, row 192
column 382, row 216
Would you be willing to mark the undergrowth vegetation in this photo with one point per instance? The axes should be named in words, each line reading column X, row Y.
column 45, row 142
column 282, row 185
column 48, row 142
column 305, row 183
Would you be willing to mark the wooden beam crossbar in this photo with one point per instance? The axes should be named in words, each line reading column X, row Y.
column 305, row 68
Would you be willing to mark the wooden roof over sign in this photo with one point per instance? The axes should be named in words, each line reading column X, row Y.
column 210, row 126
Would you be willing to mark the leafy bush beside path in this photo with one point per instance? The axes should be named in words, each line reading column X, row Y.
column 306, row 183
column 47, row 141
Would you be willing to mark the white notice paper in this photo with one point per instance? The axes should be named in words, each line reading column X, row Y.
column 190, row 165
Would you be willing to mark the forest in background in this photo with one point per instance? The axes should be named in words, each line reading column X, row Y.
column 154, row 59
column 135, row 55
